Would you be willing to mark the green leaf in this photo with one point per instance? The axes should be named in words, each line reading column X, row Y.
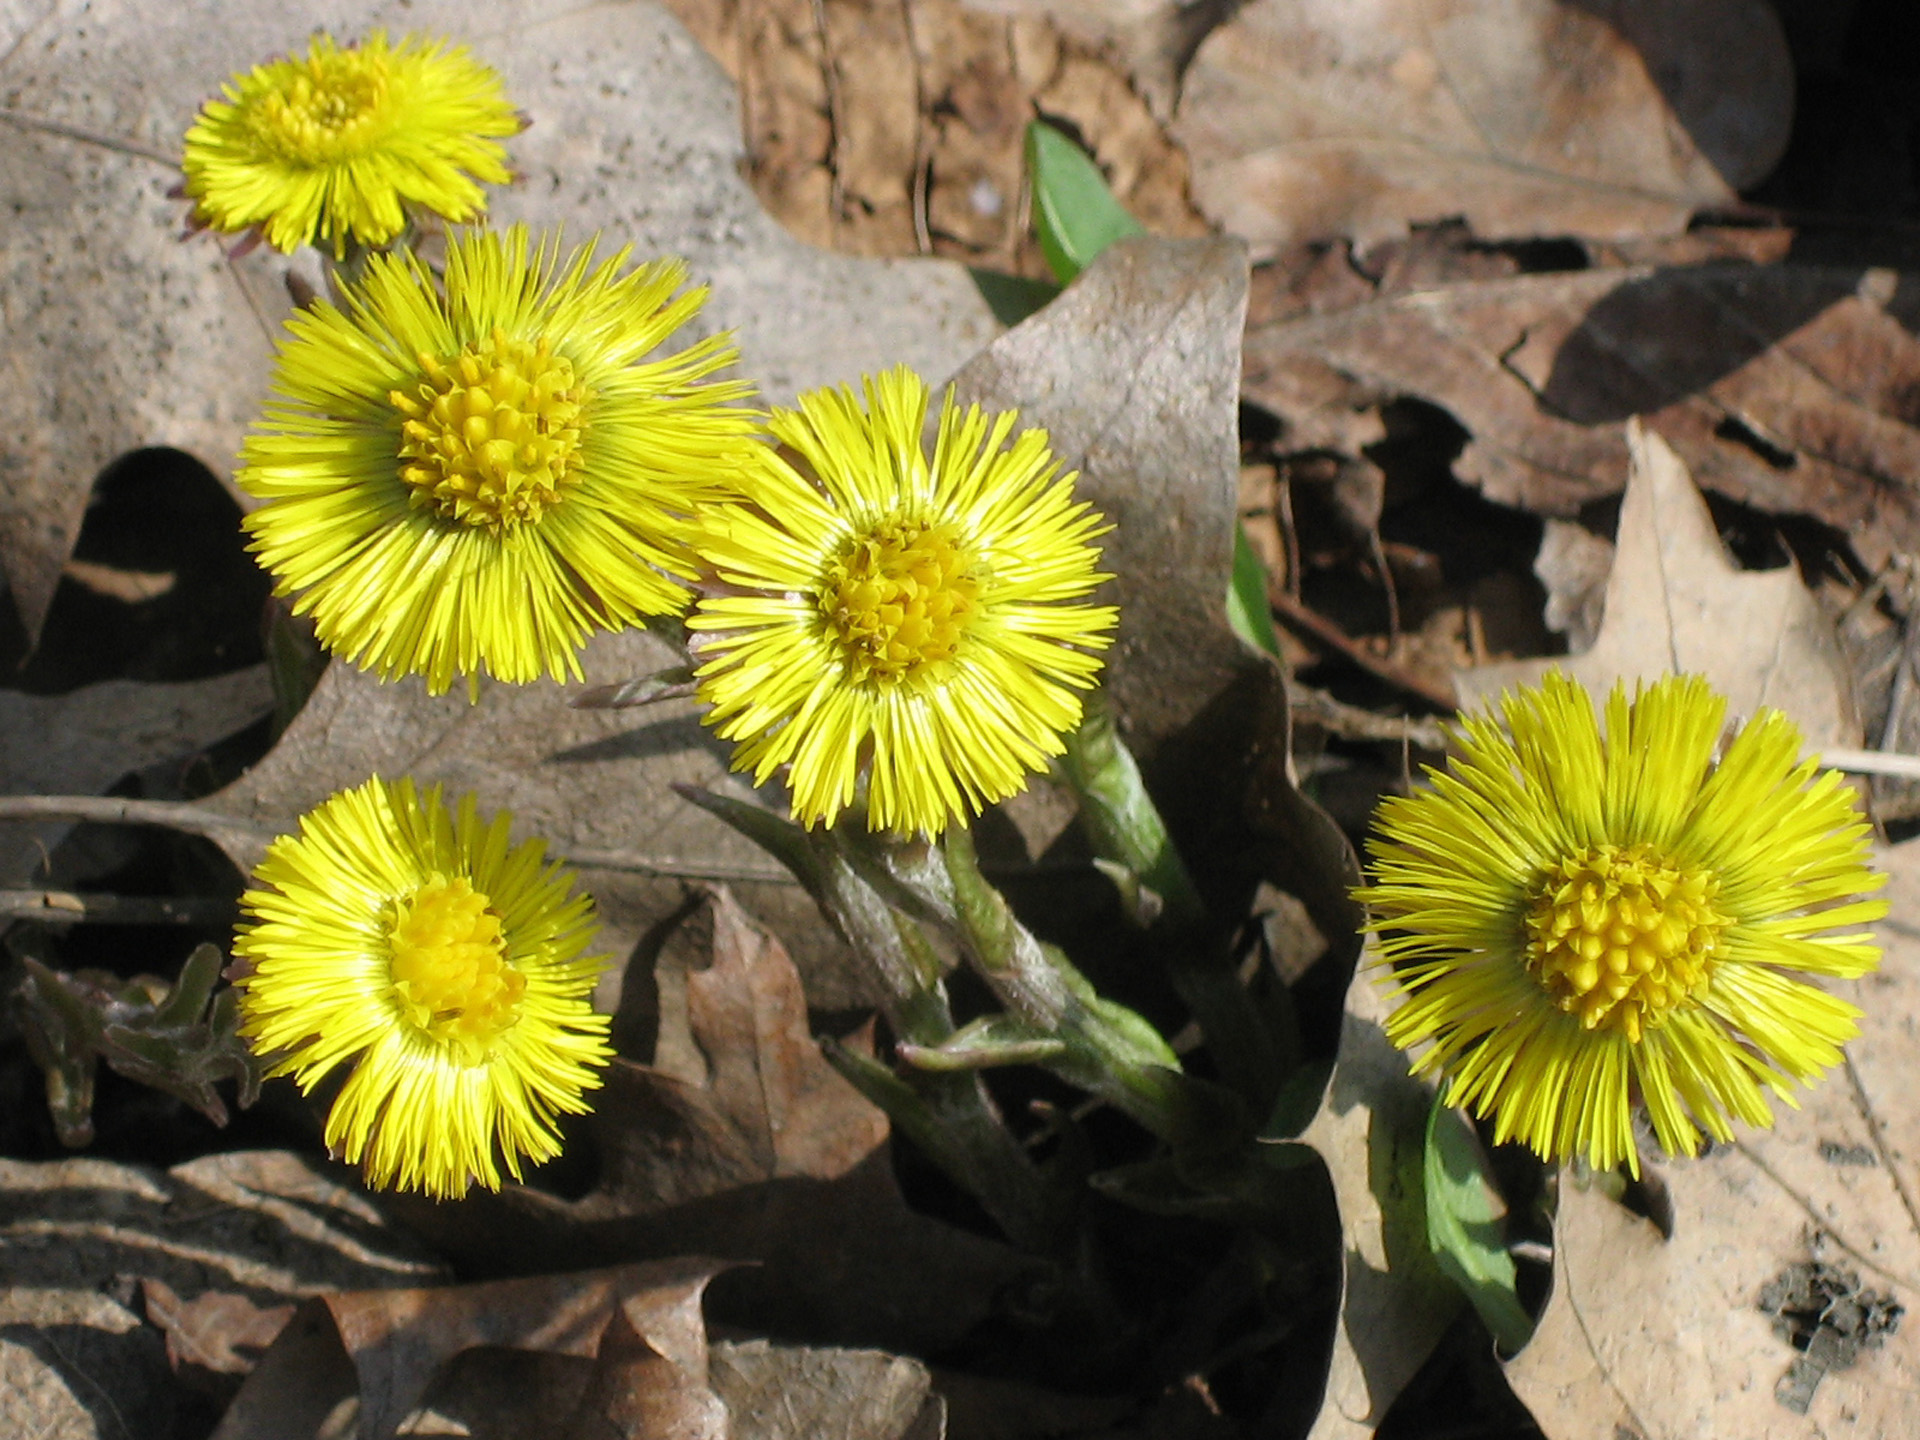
column 1074, row 213
column 1465, row 1226
column 1011, row 298
column 1248, row 611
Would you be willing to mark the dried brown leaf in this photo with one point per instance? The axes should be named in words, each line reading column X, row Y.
column 1788, row 388
column 883, row 129
column 1670, row 1339
column 214, row 1330
column 387, row 1348
column 1134, row 374
column 1610, row 118
column 1677, row 602
column 781, row 1392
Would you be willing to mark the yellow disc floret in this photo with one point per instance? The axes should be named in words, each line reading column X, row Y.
column 1619, row 937
column 450, row 969
column 491, row 436
column 331, row 105
column 897, row 598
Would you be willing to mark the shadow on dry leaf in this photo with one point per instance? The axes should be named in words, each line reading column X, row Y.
column 1784, row 387
column 384, row 1353
column 1611, row 118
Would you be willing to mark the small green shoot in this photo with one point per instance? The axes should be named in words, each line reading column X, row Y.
column 1466, row 1229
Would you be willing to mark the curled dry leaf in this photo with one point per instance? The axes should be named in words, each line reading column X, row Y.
column 1309, row 121
column 125, row 337
column 1788, row 388
column 1676, row 601
column 741, row 1141
column 1395, row 1302
column 216, row 1253
column 390, row 1350
column 1768, row 1312
column 781, row 1392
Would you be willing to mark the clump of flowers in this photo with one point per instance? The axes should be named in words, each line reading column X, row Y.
column 443, row 966
column 875, row 613
column 335, row 146
column 477, row 473
column 1579, row 918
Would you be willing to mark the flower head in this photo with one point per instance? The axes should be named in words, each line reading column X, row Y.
column 1580, row 919
column 479, row 473
column 332, row 147
column 443, row 965
column 874, row 609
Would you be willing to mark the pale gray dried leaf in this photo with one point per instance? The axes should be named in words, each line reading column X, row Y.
column 787, row 1392
column 244, row 1232
column 125, row 337
column 1785, row 387
column 1677, row 602
column 1611, row 119
column 1574, row 565
column 1670, row 1339
column 1395, row 1302
column 1134, row 373
column 81, row 742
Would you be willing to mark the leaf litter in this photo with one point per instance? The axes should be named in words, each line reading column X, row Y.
column 1786, row 396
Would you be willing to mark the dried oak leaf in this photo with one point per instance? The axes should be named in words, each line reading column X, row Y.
column 392, row 1351
column 1677, row 602
column 742, row 1142
column 124, row 337
column 1606, row 118
column 1789, row 388
column 881, row 129
column 1674, row 1337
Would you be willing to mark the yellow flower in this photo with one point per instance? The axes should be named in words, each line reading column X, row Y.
column 1578, row 920
column 480, row 474
column 873, row 610
column 444, row 966
column 332, row 147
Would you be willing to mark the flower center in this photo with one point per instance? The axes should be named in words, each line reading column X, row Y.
column 450, row 969
column 897, row 598
column 329, row 107
column 492, row 436
column 1619, row 937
